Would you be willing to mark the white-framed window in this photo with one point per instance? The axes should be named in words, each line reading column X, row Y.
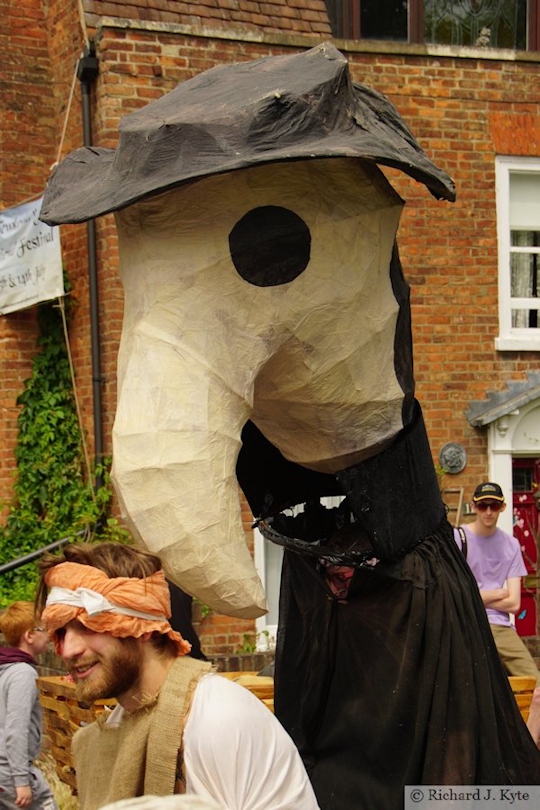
column 268, row 559
column 518, row 230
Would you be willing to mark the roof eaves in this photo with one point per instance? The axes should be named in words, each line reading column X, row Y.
column 500, row 403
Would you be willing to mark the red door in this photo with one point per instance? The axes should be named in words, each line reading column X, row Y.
column 526, row 495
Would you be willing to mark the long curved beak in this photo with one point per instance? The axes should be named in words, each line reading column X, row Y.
column 176, row 440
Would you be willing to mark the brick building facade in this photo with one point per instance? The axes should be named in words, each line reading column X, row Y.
column 467, row 106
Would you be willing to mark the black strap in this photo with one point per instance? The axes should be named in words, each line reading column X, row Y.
column 463, row 536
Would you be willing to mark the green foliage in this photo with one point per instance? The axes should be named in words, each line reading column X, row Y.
column 53, row 497
column 205, row 610
column 252, row 642
column 440, row 472
column 249, row 643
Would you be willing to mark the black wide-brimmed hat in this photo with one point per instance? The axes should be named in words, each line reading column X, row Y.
column 231, row 117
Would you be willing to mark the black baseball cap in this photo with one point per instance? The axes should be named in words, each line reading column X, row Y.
column 488, row 492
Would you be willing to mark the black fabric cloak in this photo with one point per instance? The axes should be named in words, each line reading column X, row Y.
column 400, row 683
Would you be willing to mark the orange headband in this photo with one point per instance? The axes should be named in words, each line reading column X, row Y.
column 122, row 606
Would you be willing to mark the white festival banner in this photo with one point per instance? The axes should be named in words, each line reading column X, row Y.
column 30, row 259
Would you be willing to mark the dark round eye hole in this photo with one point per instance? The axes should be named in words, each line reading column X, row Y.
column 270, row 246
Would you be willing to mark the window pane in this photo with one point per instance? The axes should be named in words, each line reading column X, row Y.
column 336, row 17
column 521, row 275
column 524, row 278
column 525, row 200
column 525, row 319
column 525, row 238
column 492, row 23
column 383, row 19
column 522, row 478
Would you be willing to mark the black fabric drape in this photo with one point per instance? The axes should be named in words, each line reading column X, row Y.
column 400, row 684
column 181, row 605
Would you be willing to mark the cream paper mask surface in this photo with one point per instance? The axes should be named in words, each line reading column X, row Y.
column 256, row 238
column 203, row 350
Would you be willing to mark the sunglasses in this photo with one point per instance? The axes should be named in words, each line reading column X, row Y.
column 495, row 506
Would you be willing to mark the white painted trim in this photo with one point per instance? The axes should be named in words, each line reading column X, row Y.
column 502, row 187
column 510, row 339
column 262, row 625
column 265, row 630
column 513, row 343
column 506, row 441
column 500, row 471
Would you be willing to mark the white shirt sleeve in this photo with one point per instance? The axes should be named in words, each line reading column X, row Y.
column 238, row 754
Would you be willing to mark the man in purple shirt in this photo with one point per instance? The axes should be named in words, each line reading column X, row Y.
column 497, row 564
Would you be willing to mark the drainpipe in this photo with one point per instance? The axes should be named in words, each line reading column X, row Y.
column 87, row 72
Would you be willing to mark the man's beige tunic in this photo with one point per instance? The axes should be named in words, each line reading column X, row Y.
column 143, row 755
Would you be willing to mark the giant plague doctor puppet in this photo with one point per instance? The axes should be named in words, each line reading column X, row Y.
column 267, row 342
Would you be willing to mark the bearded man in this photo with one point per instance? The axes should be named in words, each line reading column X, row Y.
column 178, row 727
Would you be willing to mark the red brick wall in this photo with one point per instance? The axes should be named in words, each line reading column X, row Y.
column 26, row 113
column 17, row 344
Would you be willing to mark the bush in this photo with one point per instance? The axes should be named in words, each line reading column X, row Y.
column 54, row 496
